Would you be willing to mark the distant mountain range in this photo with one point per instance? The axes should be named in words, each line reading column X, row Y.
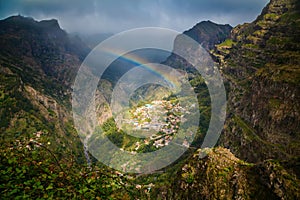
column 92, row 40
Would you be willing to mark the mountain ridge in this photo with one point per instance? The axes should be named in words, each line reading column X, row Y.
column 260, row 62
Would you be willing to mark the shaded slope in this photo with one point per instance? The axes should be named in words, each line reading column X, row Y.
column 38, row 62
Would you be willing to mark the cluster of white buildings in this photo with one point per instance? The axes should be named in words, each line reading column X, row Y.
column 161, row 116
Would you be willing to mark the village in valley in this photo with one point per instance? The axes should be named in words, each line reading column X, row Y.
column 161, row 119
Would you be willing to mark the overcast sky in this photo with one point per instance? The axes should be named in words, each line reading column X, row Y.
column 103, row 16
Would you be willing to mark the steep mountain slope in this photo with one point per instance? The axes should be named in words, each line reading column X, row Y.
column 207, row 34
column 261, row 63
column 38, row 62
column 43, row 45
column 41, row 155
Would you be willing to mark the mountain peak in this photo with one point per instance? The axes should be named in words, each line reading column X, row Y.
column 209, row 33
column 209, row 22
column 18, row 19
column 36, row 36
column 21, row 22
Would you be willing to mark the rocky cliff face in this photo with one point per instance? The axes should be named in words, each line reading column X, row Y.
column 41, row 46
column 221, row 175
column 38, row 62
column 260, row 62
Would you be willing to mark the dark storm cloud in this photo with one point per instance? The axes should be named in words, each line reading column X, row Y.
column 92, row 16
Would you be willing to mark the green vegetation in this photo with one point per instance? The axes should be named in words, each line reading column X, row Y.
column 271, row 16
column 283, row 73
column 30, row 170
column 227, row 43
column 118, row 137
column 251, row 46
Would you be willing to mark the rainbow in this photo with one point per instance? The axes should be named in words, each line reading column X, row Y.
column 138, row 61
